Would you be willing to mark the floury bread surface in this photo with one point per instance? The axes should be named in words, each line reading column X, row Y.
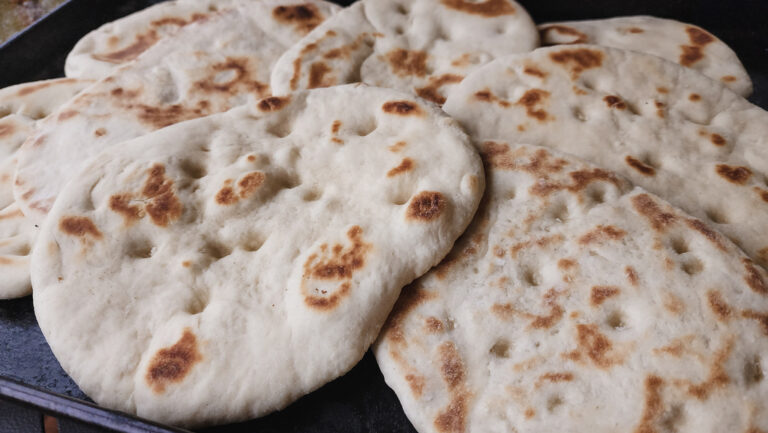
column 237, row 262
column 206, row 67
column 574, row 303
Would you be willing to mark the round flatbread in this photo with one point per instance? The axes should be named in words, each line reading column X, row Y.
column 574, row 303
column 423, row 46
column 206, row 67
column 682, row 43
column 237, row 262
column 21, row 106
column 667, row 128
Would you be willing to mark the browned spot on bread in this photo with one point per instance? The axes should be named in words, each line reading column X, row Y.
column 695, row 97
column 499, row 251
column 431, row 92
column 762, row 318
column 412, row 296
column 250, row 183
column 763, row 193
column 402, row 108
column 426, row 206
column 336, row 126
column 163, row 206
column 99, row 132
column 728, row 79
column 754, row 278
column 64, row 115
column 601, row 293
column 595, row 346
column 499, row 155
column 566, row 264
column 580, row 37
column 28, row 194
column 601, row 233
column 660, row 106
column 648, row 208
column 530, row 413
column 615, row 102
column 631, row 275
column 43, row 205
column 635, row 30
column 540, row 242
column 121, row 203
column 487, row 96
column 160, row 117
column 738, row 175
column 580, row 180
column 186, row 263
column 717, row 140
column 451, row 365
column 6, row 261
column 397, row 147
column 708, row 233
column 15, row 214
column 81, row 227
column 721, row 309
column 405, row 165
column 531, row 99
column 452, row 419
column 317, row 76
column 416, row 383
column 691, row 54
column 303, row 17
column 405, row 63
column 274, row 103
column 226, row 196
column 718, row 378
column 503, row 311
column 578, row 60
column 26, row 90
column 554, row 378
column 662, row 90
column 487, row 8
column 654, row 407
column 139, row 45
column 555, row 314
column 699, row 36
column 536, row 72
column 434, row 325
column 7, row 129
column 242, row 80
column 173, row 364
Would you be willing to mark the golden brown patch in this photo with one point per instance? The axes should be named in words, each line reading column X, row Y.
column 242, row 80
column 160, row 117
column 139, row 45
column 531, row 100
column 635, row 30
column 163, row 206
column 717, row 140
column 647, row 207
column 578, row 60
column 615, row 102
column 721, row 309
column 397, row 147
column 26, row 90
column 762, row 318
column 601, row 233
column 412, row 296
column 64, row 115
column 121, row 203
column 728, row 79
column 660, row 106
column 718, row 377
column 100, row 132
column 631, row 275
column 762, row 193
column 303, row 17
column 580, row 180
column 431, row 92
column 581, row 38
column 654, row 406
column 453, row 417
column 754, row 278
column 434, row 325
column 555, row 314
column 171, row 365
column 554, row 378
column 695, row 97
column 691, row 54
column 416, row 383
column 405, row 165
column 566, row 264
column 708, row 233
column 596, row 346
column 451, row 365
column 336, row 126
column 81, row 227
column 405, row 63
column 601, row 293
column 402, row 108
column 274, row 103
column 541, row 242
column 250, row 183
column 487, row 8
column 426, row 206
column 530, row 413
column 499, row 155
column 738, row 175
column 536, row 72
column 7, row 129
column 487, row 96
column 15, row 214
column 317, row 76
column 699, row 36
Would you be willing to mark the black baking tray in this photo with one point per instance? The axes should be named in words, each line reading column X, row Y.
column 33, row 383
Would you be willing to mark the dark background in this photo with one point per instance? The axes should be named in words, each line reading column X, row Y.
column 360, row 401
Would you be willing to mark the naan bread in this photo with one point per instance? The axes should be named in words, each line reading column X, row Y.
column 667, row 128
column 103, row 50
column 219, row 269
column 422, row 46
column 574, row 303
column 21, row 106
column 206, row 67
column 682, row 43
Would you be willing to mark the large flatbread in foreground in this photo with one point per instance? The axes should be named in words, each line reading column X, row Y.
column 682, row 43
column 219, row 269
column 667, row 128
column 422, row 46
column 574, row 303
column 21, row 107
column 205, row 67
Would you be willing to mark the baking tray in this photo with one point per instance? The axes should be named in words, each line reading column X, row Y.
column 32, row 381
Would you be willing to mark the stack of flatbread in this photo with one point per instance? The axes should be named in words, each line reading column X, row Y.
column 217, row 211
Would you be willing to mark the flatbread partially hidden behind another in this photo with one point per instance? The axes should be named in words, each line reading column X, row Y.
column 21, row 106
column 682, row 43
column 206, row 67
column 218, row 269
column 420, row 46
column 574, row 303
column 669, row 129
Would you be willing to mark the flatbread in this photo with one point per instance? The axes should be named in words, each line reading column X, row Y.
column 683, row 43
column 20, row 108
column 574, row 303
column 206, row 67
column 667, row 128
column 102, row 51
column 237, row 262
column 421, row 46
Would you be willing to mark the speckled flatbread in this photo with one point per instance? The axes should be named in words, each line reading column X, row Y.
column 206, row 67
column 21, row 106
column 574, row 303
column 237, row 262
column 682, row 43
column 422, row 46
column 669, row 129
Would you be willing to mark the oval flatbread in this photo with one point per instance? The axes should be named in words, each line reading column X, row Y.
column 575, row 303
column 423, row 46
column 667, row 128
column 237, row 262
